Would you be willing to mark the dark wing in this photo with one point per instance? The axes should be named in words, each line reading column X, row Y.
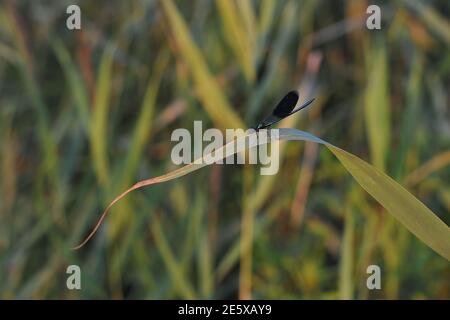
column 303, row 106
column 286, row 105
column 282, row 110
column 272, row 119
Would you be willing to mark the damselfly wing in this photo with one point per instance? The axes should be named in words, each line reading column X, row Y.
column 284, row 109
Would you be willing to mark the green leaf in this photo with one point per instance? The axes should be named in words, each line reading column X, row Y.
column 377, row 112
column 207, row 89
column 398, row 201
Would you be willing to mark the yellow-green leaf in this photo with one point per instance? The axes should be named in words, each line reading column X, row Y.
column 377, row 112
column 98, row 129
column 398, row 201
column 208, row 91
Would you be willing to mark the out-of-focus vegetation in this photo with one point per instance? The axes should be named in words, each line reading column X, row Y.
column 84, row 114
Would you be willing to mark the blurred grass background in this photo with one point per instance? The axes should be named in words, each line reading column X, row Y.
column 84, row 114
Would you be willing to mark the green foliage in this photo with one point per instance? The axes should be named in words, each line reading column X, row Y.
column 84, row 114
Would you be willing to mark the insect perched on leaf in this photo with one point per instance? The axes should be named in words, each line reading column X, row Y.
column 283, row 109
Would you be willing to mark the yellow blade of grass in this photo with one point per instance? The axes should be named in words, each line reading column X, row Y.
column 237, row 33
column 265, row 20
column 347, row 256
column 75, row 82
column 407, row 209
column 144, row 123
column 98, row 129
column 179, row 281
column 207, row 89
column 436, row 163
column 377, row 113
column 432, row 18
column 249, row 20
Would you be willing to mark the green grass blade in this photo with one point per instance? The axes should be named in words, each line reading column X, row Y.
column 98, row 129
column 377, row 111
column 237, row 35
column 407, row 209
column 207, row 89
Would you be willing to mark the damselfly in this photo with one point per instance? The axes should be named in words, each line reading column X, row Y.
column 283, row 109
